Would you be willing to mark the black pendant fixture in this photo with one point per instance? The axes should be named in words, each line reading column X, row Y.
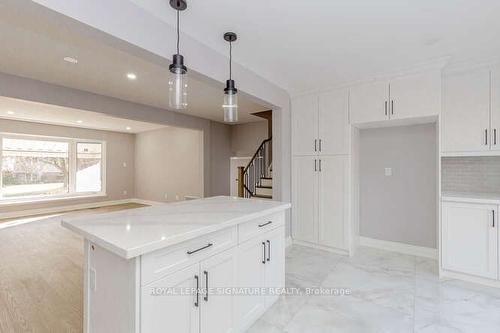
column 177, row 84
column 230, row 105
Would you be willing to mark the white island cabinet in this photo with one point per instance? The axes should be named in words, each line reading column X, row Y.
column 211, row 265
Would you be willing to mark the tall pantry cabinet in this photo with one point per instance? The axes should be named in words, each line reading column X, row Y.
column 321, row 170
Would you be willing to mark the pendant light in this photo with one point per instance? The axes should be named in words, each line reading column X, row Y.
column 230, row 105
column 177, row 84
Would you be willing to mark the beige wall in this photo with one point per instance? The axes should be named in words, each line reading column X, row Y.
column 119, row 149
column 220, row 152
column 169, row 164
column 401, row 207
column 246, row 138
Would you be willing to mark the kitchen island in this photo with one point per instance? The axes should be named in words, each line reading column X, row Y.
column 212, row 265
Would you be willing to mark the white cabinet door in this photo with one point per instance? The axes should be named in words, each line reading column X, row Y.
column 333, row 201
column 251, row 274
column 217, row 309
column 466, row 113
column 304, row 194
column 369, row 102
column 162, row 310
column 469, row 239
column 305, row 125
column 415, row 96
column 334, row 129
column 495, row 109
column 275, row 263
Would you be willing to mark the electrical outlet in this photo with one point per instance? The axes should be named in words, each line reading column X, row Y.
column 166, row 196
column 124, row 164
column 125, row 192
column 388, row 172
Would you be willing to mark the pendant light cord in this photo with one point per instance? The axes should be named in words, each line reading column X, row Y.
column 230, row 60
column 178, row 34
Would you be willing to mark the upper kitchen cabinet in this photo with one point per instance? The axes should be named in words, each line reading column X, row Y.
column 415, row 96
column 333, row 129
column 402, row 98
column 320, row 124
column 466, row 113
column 369, row 102
column 305, row 125
column 495, row 108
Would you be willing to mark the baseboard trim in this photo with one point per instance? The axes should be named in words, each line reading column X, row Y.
column 321, row 247
column 447, row 275
column 146, row 202
column 67, row 208
column 403, row 248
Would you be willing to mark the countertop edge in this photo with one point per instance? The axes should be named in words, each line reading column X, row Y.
column 148, row 248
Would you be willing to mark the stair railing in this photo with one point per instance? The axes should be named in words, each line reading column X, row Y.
column 250, row 177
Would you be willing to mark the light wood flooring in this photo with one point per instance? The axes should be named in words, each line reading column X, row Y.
column 41, row 275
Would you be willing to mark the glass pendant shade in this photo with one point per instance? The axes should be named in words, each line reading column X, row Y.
column 178, row 84
column 230, row 106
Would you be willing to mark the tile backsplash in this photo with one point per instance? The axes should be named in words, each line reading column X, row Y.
column 471, row 174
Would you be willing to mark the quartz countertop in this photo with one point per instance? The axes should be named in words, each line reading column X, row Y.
column 134, row 232
column 484, row 198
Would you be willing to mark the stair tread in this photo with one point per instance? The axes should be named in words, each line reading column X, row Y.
column 263, row 186
column 263, row 196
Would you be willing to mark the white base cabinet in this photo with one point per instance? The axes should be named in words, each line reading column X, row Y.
column 470, row 238
column 191, row 287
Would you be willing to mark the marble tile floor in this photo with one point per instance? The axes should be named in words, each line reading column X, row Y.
column 389, row 292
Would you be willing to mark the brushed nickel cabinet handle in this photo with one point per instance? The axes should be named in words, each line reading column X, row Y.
column 206, row 286
column 386, row 108
column 315, row 144
column 486, row 137
column 197, row 302
column 315, row 165
column 320, row 165
column 268, row 250
column 495, row 136
column 201, row 248
column 264, row 224
column 493, row 211
column 392, row 107
column 264, row 254
column 320, row 145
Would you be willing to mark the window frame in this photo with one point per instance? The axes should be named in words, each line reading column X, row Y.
column 72, row 166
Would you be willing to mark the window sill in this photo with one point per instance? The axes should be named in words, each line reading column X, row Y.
column 10, row 202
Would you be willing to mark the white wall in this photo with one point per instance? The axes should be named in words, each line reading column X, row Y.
column 119, row 149
column 169, row 164
column 402, row 207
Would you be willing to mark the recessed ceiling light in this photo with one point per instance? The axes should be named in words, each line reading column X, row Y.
column 128, row 128
column 79, row 121
column 131, row 76
column 10, row 112
column 71, row 60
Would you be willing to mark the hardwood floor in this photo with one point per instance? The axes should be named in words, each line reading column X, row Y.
column 41, row 274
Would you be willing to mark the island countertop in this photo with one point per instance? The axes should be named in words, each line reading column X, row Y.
column 134, row 232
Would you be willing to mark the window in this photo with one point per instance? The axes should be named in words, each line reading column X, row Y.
column 37, row 168
column 88, row 167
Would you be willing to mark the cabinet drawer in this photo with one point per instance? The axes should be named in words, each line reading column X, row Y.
column 165, row 261
column 255, row 227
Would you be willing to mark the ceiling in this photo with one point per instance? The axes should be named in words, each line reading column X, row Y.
column 16, row 109
column 34, row 46
column 305, row 45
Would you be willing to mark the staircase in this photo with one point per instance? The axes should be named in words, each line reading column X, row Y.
column 256, row 179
